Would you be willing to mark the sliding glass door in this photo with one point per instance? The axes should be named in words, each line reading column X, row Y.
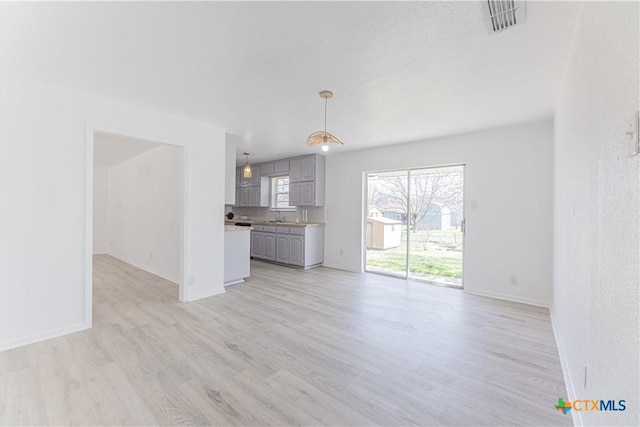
column 386, row 229
column 415, row 225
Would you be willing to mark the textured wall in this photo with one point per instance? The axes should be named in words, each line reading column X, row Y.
column 100, row 210
column 508, row 205
column 45, row 214
column 145, row 210
column 596, row 213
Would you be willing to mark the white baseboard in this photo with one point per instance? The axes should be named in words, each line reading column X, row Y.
column 340, row 267
column 566, row 372
column 42, row 336
column 206, row 294
column 512, row 298
column 233, row 282
column 144, row 267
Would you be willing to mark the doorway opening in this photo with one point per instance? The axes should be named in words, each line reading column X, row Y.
column 414, row 224
column 137, row 205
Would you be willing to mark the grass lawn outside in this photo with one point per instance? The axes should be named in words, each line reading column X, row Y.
column 434, row 252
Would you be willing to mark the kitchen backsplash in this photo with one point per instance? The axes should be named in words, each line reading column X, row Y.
column 314, row 214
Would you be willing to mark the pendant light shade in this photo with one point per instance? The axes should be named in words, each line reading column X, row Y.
column 322, row 136
column 246, row 172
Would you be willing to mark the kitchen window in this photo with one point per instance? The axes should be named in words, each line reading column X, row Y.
column 280, row 194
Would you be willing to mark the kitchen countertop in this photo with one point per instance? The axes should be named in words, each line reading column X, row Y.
column 271, row 223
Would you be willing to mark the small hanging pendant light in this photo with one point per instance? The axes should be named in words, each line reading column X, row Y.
column 246, row 173
column 323, row 137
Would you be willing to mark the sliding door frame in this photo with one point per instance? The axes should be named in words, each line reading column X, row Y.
column 406, row 275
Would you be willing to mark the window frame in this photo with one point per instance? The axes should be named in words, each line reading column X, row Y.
column 273, row 184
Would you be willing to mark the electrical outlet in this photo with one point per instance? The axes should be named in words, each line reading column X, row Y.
column 341, row 252
column 191, row 281
column 513, row 280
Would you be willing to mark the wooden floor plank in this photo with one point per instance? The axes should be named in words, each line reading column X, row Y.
column 289, row 347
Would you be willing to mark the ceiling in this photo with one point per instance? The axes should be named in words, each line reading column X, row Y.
column 110, row 150
column 400, row 71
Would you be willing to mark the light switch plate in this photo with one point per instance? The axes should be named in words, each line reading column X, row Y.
column 634, row 134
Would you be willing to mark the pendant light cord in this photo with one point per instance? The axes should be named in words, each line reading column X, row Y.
column 325, row 116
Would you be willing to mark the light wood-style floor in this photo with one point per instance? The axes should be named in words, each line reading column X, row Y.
column 289, row 347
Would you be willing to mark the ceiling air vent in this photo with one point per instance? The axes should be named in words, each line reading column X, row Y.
column 504, row 14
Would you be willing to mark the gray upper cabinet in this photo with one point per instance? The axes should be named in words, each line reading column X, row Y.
column 250, row 191
column 295, row 170
column 281, row 166
column 306, row 181
column 256, row 176
column 276, row 168
column 267, row 168
column 308, row 168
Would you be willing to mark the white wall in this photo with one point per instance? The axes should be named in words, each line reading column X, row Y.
column 46, row 210
column 596, row 213
column 508, row 202
column 145, row 210
column 100, row 210
column 230, row 169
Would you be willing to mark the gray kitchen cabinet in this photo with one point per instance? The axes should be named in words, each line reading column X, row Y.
column 281, row 166
column 295, row 246
column 295, row 170
column 250, row 191
column 303, row 169
column 254, row 196
column 282, row 248
column 241, row 180
column 276, row 168
column 244, row 196
column 255, row 175
column 302, row 194
column 269, row 246
column 295, row 193
column 296, row 250
column 306, row 181
column 267, row 168
column 257, row 244
column 308, row 168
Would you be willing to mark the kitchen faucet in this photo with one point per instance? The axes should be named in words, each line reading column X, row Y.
column 279, row 218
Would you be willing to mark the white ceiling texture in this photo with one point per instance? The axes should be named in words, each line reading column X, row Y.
column 400, row 71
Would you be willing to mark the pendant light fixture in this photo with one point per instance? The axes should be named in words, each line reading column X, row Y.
column 246, row 172
column 323, row 137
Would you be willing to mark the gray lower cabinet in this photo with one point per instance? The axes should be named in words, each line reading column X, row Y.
column 297, row 246
column 296, row 250
column 282, row 248
column 257, row 244
column 269, row 246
